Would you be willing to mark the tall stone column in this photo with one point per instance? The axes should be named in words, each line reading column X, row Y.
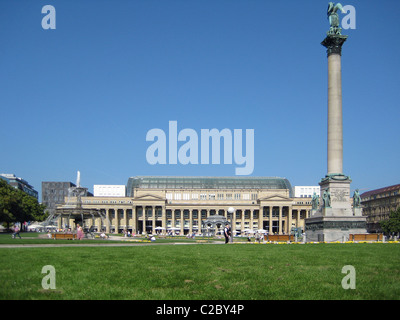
column 335, row 185
column 334, row 220
column 334, row 43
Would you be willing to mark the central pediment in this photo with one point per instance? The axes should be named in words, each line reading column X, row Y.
column 276, row 197
column 148, row 197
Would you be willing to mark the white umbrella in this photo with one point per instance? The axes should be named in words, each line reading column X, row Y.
column 159, row 228
column 248, row 230
column 35, row 226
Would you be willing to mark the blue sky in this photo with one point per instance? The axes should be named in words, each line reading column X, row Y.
column 83, row 96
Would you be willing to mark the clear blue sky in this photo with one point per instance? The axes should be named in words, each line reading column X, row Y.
column 83, row 96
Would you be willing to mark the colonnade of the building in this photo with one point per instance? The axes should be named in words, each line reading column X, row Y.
column 276, row 219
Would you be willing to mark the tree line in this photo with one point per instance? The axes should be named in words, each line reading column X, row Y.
column 17, row 206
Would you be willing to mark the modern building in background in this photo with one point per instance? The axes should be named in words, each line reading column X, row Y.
column 306, row 191
column 55, row 193
column 101, row 190
column 20, row 184
column 377, row 205
column 183, row 204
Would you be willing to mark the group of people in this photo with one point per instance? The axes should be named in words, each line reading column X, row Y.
column 127, row 234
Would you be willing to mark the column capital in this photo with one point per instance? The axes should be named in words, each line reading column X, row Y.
column 334, row 43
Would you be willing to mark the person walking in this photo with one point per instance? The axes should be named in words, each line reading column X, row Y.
column 16, row 232
column 227, row 232
column 79, row 233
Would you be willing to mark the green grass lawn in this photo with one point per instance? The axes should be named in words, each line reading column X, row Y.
column 37, row 238
column 203, row 271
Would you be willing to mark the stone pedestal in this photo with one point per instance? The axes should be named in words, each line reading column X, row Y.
column 335, row 219
column 333, row 228
column 338, row 188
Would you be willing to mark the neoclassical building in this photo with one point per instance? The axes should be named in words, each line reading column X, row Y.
column 377, row 205
column 161, row 203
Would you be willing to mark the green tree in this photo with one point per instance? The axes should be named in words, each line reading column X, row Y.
column 392, row 225
column 32, row 209
column 17, row 206
column 8, row 203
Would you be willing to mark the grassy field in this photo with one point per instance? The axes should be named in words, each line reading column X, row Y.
column 203, row 271
column 33, row 238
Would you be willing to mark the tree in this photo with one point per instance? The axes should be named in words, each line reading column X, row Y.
column 7, row 203
column 17, row 206
column 391, row 225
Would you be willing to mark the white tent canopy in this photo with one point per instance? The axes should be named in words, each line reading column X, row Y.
column 35, row 226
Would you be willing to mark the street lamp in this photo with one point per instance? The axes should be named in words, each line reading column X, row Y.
column 231, row 210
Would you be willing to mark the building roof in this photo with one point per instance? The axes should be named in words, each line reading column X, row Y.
column 379, row 191
column 176, row 182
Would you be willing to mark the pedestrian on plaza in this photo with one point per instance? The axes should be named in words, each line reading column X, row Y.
column 16, row 232
column 79, row 233
column 227, row 232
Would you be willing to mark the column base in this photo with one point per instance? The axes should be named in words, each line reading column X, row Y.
column 335, row 219
column 333, row 228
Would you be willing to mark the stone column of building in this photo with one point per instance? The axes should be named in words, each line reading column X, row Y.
column 199, row 220
column 144, row 217
column 190, row 221
column 280, row 220
column 153, row 209
column 182, row 231
column 290, row 221
column 116, row 220
column 134, row 220
column 125, row 218
column 107, row 221
column 251, row 218
column 164, row 219
column 298, row 218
